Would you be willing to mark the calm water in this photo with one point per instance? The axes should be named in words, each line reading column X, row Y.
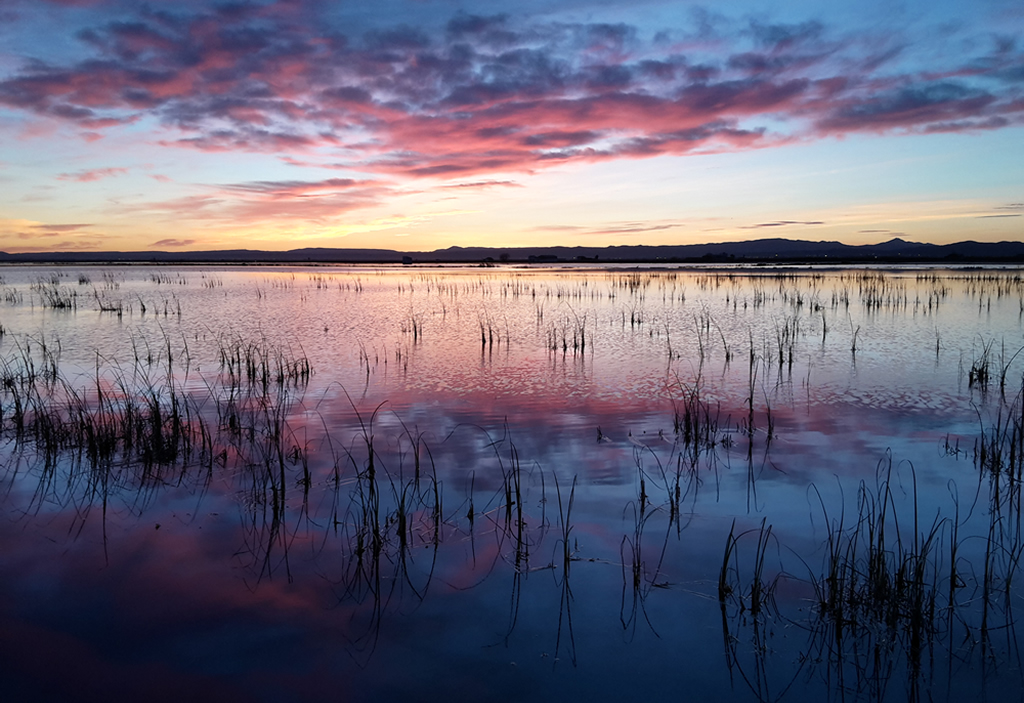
column 355, row 484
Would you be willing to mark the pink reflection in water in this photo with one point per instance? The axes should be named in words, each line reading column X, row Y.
column 289, row 556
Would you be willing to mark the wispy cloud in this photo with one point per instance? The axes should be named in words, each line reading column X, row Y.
column 560, row 228
column 282, row 202
column 1008, row 210
column 473, row 185
column 635, row 228
column 50, row 236
column 93, row 174
column 612, row 228
column 782, row 223
column 173, row 243
column 300, row 188
column 59, row 228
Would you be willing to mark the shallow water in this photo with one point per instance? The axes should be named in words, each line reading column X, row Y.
column 486, row 486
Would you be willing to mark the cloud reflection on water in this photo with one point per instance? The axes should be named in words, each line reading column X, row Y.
column 263, row 577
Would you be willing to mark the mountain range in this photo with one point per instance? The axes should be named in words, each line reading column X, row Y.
column 755, row 251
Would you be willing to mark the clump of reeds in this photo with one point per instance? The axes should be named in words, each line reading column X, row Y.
column 414, row 326
column 756, row 597
column 979, row 373
column 786, row 336
column 880, row 571
column 695, row 421
column 55, row 296
column 115, row 425
column 890, row 584
column 999, row 449
column 258, row 365
column 105, row 305
column 568, row 335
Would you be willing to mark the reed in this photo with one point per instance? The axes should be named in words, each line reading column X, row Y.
column 258, row 365
column 979, row 373
column 695, row 421
column 55, row 296
column 758, row 596
column 883, row 576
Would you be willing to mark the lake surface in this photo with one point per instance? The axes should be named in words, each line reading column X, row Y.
column 331, row 483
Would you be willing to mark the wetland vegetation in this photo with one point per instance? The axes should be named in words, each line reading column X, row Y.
column 275, row 483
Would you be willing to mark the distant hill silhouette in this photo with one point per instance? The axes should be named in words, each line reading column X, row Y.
column 755, row 251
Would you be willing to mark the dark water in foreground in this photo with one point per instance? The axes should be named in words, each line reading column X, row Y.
column 362, row 484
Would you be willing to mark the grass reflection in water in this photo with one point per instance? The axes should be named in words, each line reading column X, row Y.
column 885, row 594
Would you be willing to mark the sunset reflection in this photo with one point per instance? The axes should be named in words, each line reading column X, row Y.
column 522, row 478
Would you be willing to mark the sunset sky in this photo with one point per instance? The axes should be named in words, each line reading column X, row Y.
column 422, row 124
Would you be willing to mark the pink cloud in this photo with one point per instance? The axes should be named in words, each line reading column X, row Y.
column 299, row 201
column 495, row 94
column 483, row 184
column 93, row 174
column 302, row 201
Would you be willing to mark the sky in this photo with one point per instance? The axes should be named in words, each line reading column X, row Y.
column 422, row 124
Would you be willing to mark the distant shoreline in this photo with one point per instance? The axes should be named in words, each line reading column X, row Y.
column 764, row 252
column 746, row 268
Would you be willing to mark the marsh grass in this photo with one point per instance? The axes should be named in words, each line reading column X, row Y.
column 899, row 595
column 879, row 573
column 259, row 365
column 979, row 373
column 55, row 296
column 142, row 424
column 568, row 555
column 569, row 335
column 753, row 593
column 361, row 499
column 695, row 420
column 896, row 595
column 89, row 444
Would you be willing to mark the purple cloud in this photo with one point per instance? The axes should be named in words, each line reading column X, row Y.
column 785, row 223
column 479, row 94
column 60, row 228
column 173, row 243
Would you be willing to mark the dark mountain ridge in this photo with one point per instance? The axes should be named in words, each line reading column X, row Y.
column 754, row 251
